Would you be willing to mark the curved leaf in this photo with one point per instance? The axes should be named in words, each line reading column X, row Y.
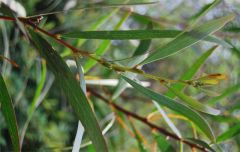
column 72, row 90
column 175, row 106
column 187, row 39
column 191, row 71
column 233, row 131
column 9, row 114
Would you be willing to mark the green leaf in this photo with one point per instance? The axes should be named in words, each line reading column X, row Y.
column 139, row 52
column 138, row 138
column 72, row 90
column 9, row 114
column 93, row 26
column 201, row 143
column 204, row 10
column 175, row 106
column 224, row 94
column 187, row 39
column 163, row 144
column 194, row 103
column 135, row 34
column 233, row 131
column 34, row 104
column 234, row 49
column 191, row 71
column 104, row 45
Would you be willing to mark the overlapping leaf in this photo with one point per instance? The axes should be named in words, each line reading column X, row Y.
column 194, row 103
column 191, row 71
column 72, row 90
column 187, row 39
column 175, row 106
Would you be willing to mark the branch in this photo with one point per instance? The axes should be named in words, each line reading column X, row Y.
column 145, row 121
column 117, row 68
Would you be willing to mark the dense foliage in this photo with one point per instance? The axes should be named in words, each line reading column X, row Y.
column 116, row 75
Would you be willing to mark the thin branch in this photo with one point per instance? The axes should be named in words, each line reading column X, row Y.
column 145, row 121
column 103, row 62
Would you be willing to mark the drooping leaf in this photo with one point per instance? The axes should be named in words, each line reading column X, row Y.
column 72, row 90
column 191, row 71
column 9, row 115
column 194, row 103
column 233, row 131
column 80, row 130
column 175, row 106
column 187, row 39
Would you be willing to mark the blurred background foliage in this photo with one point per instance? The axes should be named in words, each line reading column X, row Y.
column 53, row 125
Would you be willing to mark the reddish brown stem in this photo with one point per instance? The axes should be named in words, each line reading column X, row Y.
column 145, row 121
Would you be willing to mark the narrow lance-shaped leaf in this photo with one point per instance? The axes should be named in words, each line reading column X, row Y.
column 204, row 10
column 72, row 90
column 224, row 94
column 135, row 34
column 34, row 104
column 187, row 39
column 191, row 71
column 80, row 130
column 175, row 106
column 194, row 103
column 9, row 114
column 137, row 137
column 233, row 131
